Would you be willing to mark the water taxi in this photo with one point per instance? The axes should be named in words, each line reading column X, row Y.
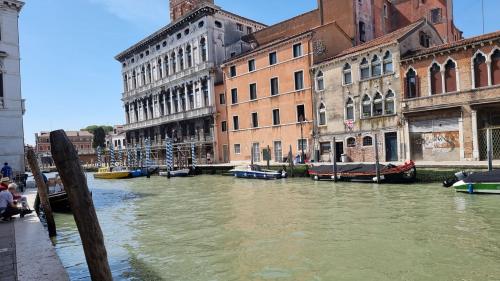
column 256, row 172
column 112, row 173
column 487, row 182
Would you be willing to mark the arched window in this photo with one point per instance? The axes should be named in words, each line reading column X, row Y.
column 149, row 74
column 134, row 80
column 378, row 105
column 180, row 55
column 376, row 67
column 189, row 56
column 366, row 106
column 365, row 69
column 390, row 103
column 480, row 71
column 367, row 141
column 322, row 114
column 450, row 77
column 203, row 46
column 411, row 84
column 218, row 24
column 388, row 67
column 495, row 67
column 347, row 74
column 143, row 76
column 160, row 69
column 320, row 83
column 173, row 63
column 166, row 66
column 351, row 142
column 436, row 79
column 349, row 109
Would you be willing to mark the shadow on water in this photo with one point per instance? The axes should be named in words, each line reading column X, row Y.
column 139, row 270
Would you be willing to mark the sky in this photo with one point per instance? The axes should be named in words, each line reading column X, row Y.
column 70, row 78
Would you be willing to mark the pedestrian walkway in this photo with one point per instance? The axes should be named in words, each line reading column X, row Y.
column 8, row 266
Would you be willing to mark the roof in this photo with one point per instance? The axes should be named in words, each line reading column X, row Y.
column 468, row 41
column 389, row 38
column 204, row 8
column 70, row 133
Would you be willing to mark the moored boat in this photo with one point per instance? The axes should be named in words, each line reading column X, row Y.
column 176, row 173
column 114, row 173
column 256, row 172
column 143, row 172
column 366, row 172
column 486, row 182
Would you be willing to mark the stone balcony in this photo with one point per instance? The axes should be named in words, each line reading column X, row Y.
column 179, row 116
column 184, row 74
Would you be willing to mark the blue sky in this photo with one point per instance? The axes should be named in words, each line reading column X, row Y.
column 70, row 78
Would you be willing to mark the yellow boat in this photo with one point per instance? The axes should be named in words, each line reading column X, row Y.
column 111, row 174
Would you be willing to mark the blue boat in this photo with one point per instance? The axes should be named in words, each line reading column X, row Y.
column 256, row 172
column 143, row 172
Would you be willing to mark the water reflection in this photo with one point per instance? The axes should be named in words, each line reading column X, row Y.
column 220, row 228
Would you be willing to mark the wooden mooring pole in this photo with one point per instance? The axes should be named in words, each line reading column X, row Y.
column 377, row 161
column 42, row 192
column 489, row 147
column 80, row 199
column 334, row 156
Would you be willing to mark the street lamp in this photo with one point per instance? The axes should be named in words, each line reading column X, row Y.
column 302, row 158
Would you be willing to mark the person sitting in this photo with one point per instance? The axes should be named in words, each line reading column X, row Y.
column 4, row 183
column 18, row 198
column 7, row 206
column 6, row 171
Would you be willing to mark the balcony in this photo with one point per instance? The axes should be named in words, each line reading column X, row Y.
column 180, row 116
column 169, row 79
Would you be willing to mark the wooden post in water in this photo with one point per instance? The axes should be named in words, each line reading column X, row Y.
column 80, row 199
column 334, row 156
column 290, row 160
column 268, row 156
column 489, row 147
column 377, row 162
column 42, row 192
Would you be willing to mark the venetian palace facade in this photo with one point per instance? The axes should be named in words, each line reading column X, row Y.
column 11, row 102
column 170, row 76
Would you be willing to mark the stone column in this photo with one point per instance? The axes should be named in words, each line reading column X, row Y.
column 164, row 104
column 461, row 135
column 475, row 136
column 179, row 102
column 172, row 101
column 211, row 89
column 443, row 80
column 148, row 113
column 488, row 66
column 186, row 96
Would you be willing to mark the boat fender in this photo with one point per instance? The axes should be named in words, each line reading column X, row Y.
column 470, row 188
column 316, row 178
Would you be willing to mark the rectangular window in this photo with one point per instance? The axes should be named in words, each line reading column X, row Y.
column 255, row 120
column 237, row 148
column 299, row 80
column 278, row 152
column 297, row 50
column 301, row 113
column 236, row 123
column 436, row 15
column 232, row 71
column 251, row 65
column 239, row 26
column 274, row 86
column 223, row 126
column 234, row 96
column 302, row 144
column 273, row 58
column 256, row 152
column 222, row 98
column 276, row 117
column 253, row 91
column 249, row 30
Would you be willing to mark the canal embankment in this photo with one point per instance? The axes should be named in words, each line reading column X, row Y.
column 27, row 252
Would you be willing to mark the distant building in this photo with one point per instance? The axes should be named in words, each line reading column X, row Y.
column 169, row 77
column 82, row 140
column 117, row 137
column 11, row 102
column 358, row 97
column 451, row 97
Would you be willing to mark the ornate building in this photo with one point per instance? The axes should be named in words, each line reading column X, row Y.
column 11, row 101
column 169, row 76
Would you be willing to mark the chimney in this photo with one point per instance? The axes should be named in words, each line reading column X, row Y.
column 179, row 8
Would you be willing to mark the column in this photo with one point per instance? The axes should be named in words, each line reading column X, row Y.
column 211, row 89
column 443, row 80
column 179, row 102
column 172, row 101
column 488, row 66
column 186, row 96
column 148, row 113
column 184, row 53
column 164, row 104
column 407, row 140
column 198, row 94
column 475, row 137
column 461, row 135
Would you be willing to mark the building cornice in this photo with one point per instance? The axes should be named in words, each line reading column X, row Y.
column 13, row 4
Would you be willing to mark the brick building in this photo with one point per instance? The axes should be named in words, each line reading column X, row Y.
column 82, row 140
column 358, row 93
column 451, row 96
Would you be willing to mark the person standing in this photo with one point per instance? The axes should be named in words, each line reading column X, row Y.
column 6, row 171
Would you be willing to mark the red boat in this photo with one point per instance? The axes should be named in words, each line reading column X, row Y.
column 366, row 172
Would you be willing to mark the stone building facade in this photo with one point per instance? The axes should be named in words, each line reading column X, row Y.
column 82, row 140
column 451, row 97
column 12, row 106
column 169, row 77
column 357, row 97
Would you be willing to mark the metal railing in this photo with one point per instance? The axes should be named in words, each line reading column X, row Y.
column 185, row 115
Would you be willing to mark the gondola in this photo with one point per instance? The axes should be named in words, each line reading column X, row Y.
column 366, row 172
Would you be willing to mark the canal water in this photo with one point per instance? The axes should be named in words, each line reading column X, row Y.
column 212, row 228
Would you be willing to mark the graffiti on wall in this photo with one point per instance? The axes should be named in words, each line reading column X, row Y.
column 441, row 140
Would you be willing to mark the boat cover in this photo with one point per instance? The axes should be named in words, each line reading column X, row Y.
column 350, row 168
column 493, row 176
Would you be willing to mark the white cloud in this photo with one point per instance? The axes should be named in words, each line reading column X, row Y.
column 138, row 11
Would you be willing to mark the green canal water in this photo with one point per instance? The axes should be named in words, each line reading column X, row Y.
column 219, row 228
